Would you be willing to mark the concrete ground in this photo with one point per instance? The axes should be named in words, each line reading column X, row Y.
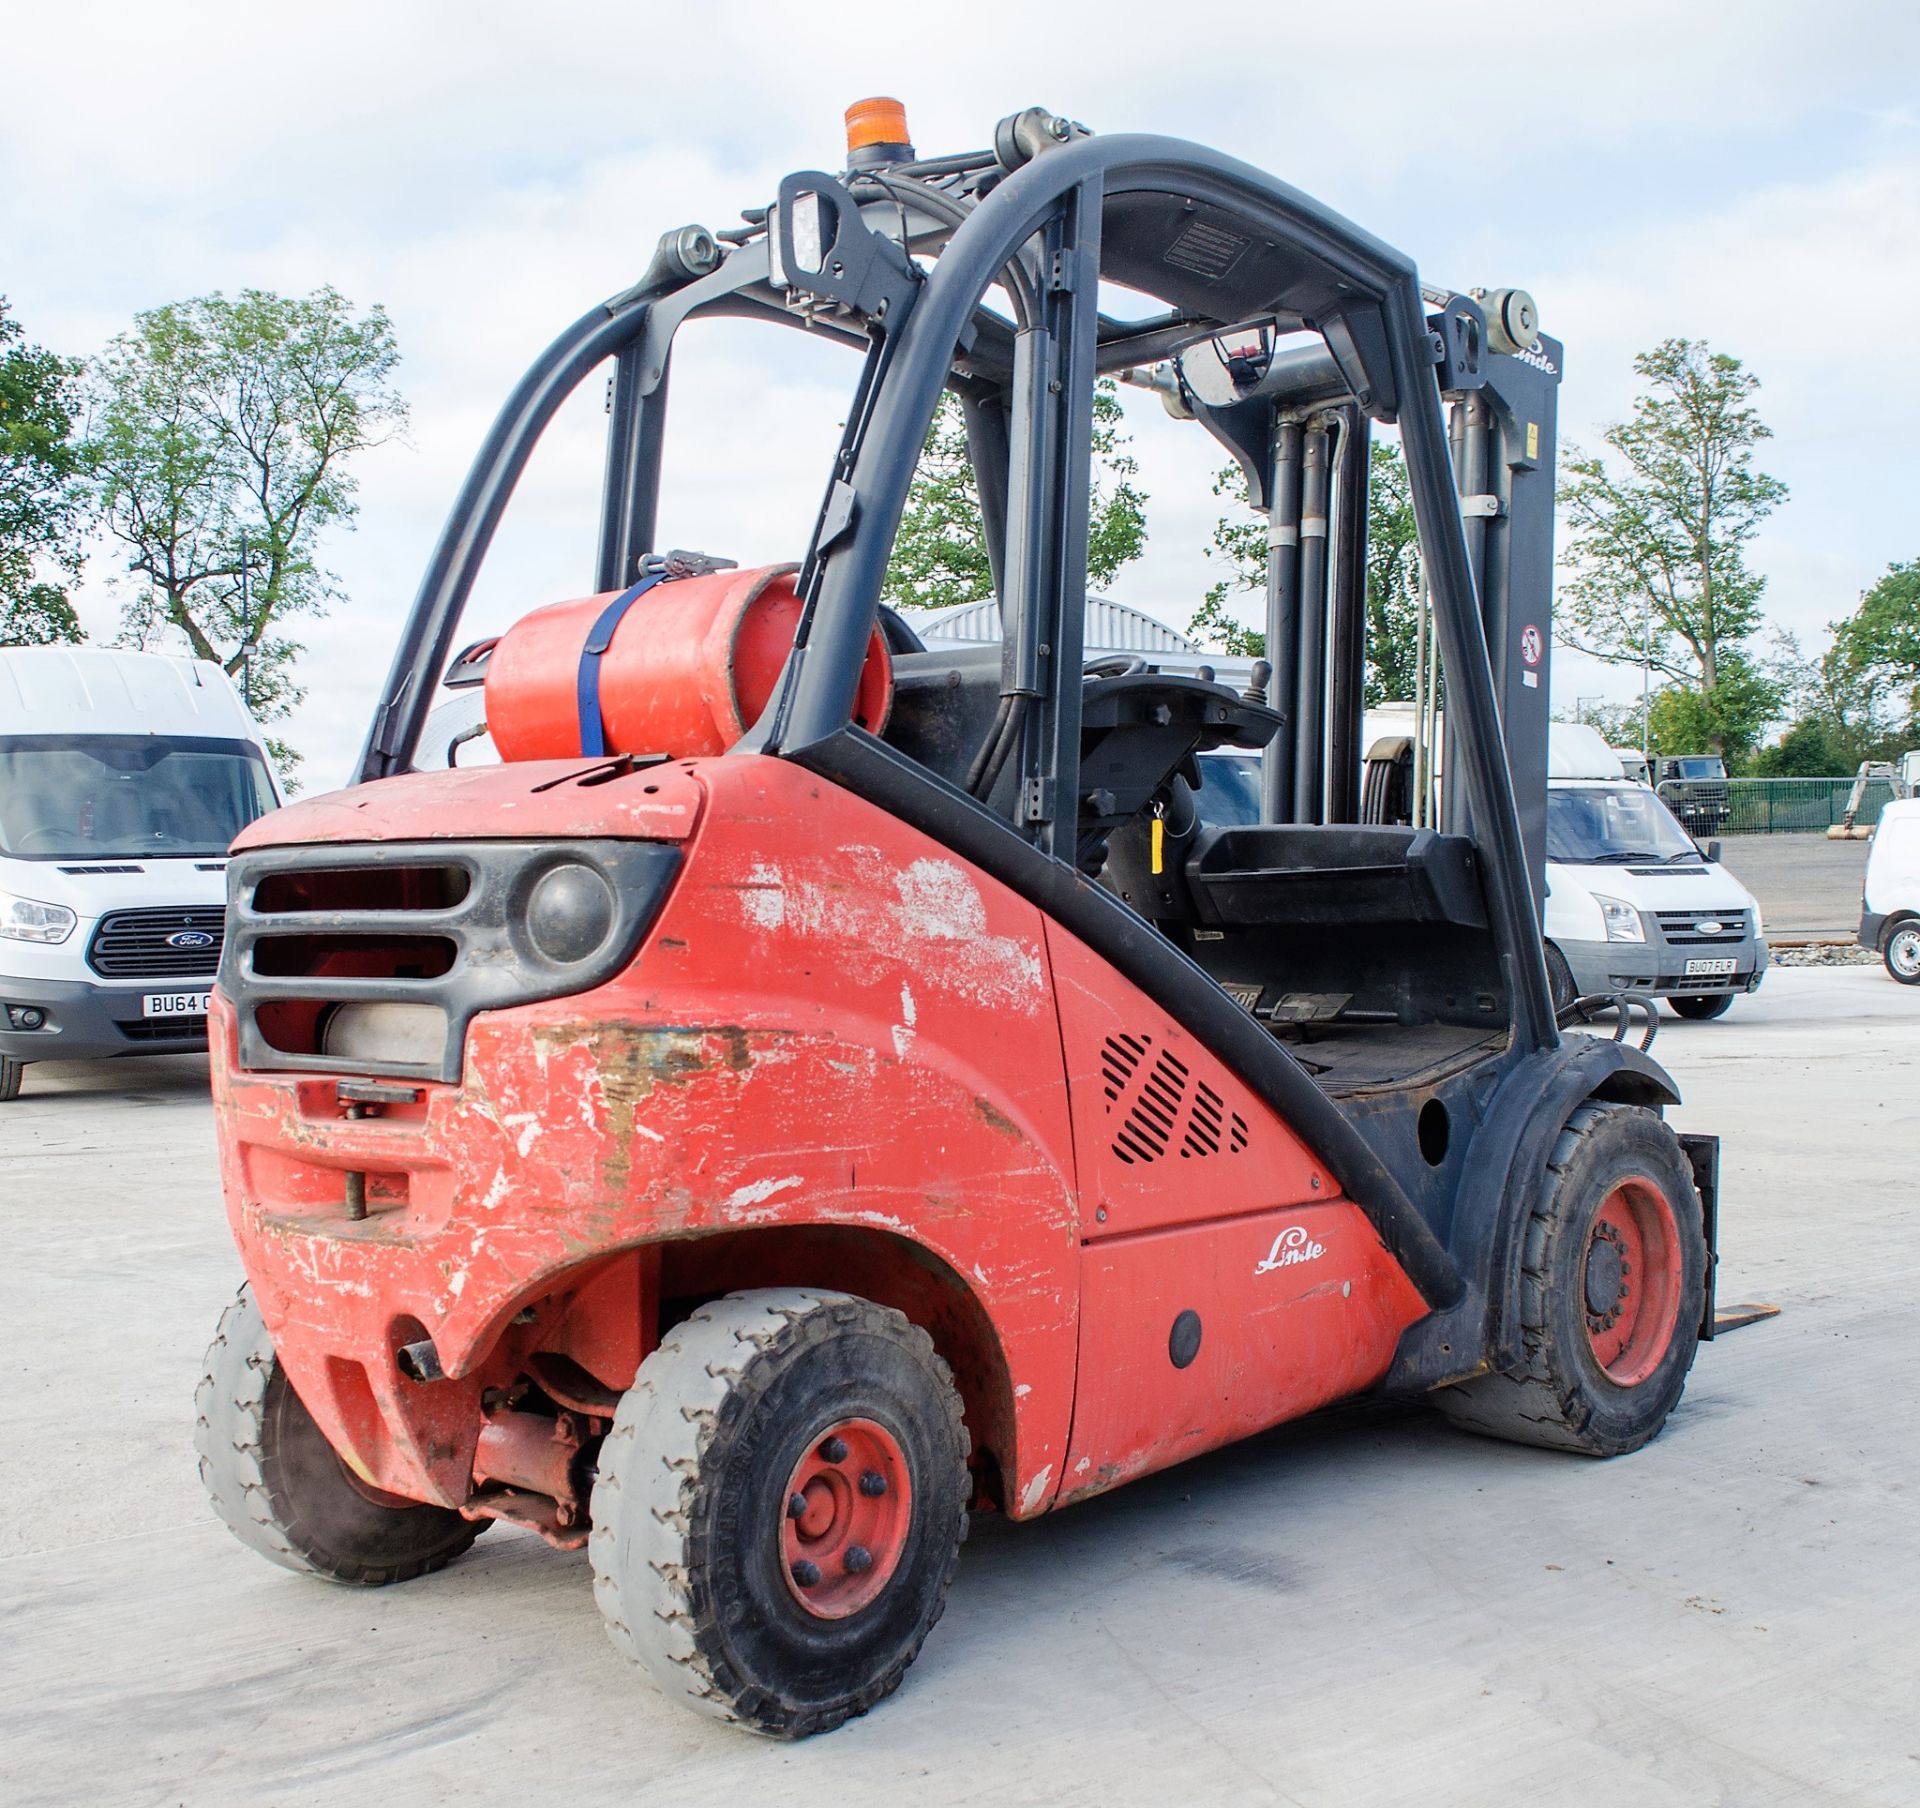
column 1364, row 1608
column 1806, row 884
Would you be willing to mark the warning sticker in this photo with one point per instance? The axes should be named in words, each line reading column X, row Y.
column 1531, row 645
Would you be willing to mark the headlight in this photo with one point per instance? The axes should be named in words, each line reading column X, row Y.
column 22, row 920
column 570, row 913
column 1759, row 922
column 1622, row 920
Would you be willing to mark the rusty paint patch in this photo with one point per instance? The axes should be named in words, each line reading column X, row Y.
column 629, row 1063
column 995, row 1119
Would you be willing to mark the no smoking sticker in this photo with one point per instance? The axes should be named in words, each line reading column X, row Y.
column 1531, row 645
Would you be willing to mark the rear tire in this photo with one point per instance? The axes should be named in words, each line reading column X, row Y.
column 1611, row 1294
column 11, row 1074
column 756, row 1402
column 1699, row 1009
column 1901, row 953
column 278, row 1485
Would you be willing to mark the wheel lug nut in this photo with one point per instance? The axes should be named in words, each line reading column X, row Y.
column 858, row 1560
column 805, row 1573
column 873, row 1484
column 796, row 1505
column 834, row 1450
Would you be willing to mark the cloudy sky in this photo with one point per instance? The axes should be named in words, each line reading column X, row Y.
column 1744, row 172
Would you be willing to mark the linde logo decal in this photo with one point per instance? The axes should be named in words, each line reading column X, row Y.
column 1291, row 1246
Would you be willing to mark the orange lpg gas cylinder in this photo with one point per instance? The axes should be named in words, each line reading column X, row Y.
column 685, row 671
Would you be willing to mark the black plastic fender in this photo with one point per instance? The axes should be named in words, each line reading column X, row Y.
column 1507, row 1164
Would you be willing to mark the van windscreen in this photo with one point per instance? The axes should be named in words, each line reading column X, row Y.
column 158, row 797
column 1597, row 824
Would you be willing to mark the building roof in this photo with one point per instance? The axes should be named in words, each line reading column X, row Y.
column 1110, row 627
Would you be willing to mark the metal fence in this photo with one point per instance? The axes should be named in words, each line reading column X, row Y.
column 1770, row 806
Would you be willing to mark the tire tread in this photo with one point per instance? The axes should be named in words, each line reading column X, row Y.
column 704, row 1377
column 1533, row 1404
column 230, row 1415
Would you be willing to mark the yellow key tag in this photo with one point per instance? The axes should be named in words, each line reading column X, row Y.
column 1159, row 844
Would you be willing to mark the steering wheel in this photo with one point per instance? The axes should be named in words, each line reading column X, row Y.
column 45, row 831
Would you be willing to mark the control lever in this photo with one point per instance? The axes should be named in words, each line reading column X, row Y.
column 1260, row 678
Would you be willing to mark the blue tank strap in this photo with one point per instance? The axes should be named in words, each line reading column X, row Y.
column 593, row 732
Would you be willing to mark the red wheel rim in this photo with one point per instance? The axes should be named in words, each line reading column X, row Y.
column 1632, row 1281
column 844, row 1518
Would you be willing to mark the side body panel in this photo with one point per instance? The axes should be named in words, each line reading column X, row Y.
column 1225, row 1286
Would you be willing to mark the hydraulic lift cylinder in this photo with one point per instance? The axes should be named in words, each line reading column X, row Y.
column 1310, row 661
column 1347, row 632
column 1283, row 602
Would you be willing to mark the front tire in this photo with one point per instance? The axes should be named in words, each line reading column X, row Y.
column 1611, row 1294
column 12, row 1072
column 280, row 1488
column 1902, row 954
column 1699, row 1009
column 780, row 1506
column 1560, row 980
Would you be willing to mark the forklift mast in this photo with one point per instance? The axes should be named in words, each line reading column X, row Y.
column 1504, row 440
column 1296, row 420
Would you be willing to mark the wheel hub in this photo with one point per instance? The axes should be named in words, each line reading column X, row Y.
column 847, row 1510
column 1632, row 1281
column 1607, row 1270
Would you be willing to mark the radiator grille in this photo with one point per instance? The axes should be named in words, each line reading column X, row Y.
column 164, row 1029
column 1682, row 928
column 148, row 944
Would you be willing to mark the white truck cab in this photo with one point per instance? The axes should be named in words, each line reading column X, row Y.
column 123, row 778
column 1633, row 904
column 1890, row 897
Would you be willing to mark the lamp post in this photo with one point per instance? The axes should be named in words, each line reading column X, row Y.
column 246, row 631
column 1646, row 680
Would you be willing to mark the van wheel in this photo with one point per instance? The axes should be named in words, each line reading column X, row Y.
column 1611, row 1293
column 779, row 1508
column 11, row 1074
column 1560, row 980
column 1700, row 1009
column 280, row 1487
column 1902, row 955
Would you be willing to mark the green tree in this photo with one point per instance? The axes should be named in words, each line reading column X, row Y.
column 43, row 512
column 1860, row 699
column 940, row 553
column 1656, row 553
column 1808, row 749
column 221, row 434
column 1877, row 648
column 1393, row 576
column 1684, row 718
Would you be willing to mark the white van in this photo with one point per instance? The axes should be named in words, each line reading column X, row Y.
column 1890, row 898
column 123, row 778
column 1632, row 902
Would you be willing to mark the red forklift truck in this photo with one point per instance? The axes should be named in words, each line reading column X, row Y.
column 815, row 1086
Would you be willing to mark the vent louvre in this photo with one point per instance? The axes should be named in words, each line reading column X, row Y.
column 1168, row 1108
column 1119, row 1056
